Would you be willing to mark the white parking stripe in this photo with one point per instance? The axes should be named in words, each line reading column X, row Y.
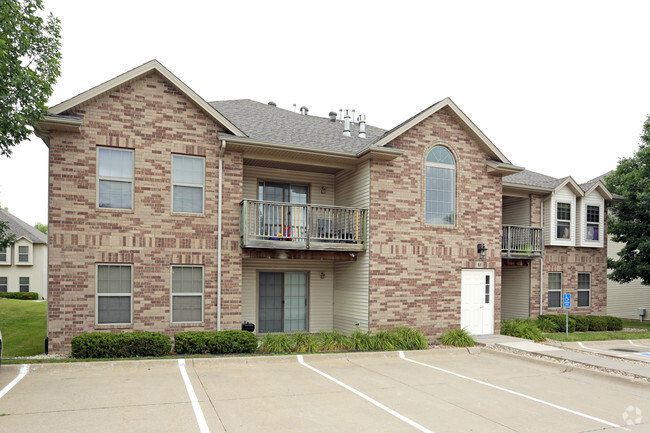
column 198, row 413
column 637, row 345
column 634, row 356
column 401, row 355
column 365, row 397
column 23, row 372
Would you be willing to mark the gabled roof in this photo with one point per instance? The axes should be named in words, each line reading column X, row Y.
column 598, row 184
column 530, row 179
column 152, row 65
column 270, row 124
column 470, row 127
column 21, row 229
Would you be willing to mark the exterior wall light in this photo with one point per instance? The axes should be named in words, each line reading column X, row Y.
column 480, row 248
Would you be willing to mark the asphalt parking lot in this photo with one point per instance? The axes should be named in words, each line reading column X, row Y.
column 636, row 350
column 440, row 390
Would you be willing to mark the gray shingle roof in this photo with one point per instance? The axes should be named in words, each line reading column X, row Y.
column 20, row 228
column 269, row 124
column 530, row 178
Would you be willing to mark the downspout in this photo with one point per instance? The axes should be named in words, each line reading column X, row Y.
column 541, row 260
column 222, row 149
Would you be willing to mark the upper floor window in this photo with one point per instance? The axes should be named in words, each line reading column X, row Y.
column 593, row 223
column 5, row 256
column 188, row 179
column 440, row 187
column 563, row 221
column 23, row 254
column 115, row 178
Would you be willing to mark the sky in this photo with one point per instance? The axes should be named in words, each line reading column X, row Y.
column 560, row 87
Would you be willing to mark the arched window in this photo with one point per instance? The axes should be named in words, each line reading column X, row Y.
column 440, row 187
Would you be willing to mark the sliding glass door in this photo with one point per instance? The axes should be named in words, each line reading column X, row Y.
column 282, row 301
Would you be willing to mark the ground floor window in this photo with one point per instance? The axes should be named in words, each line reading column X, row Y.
column 114, row 294
column 554, row 289
column 584, row 289
column 23, row 284
column 283, row 301
column 3, row 284
column 187, row 294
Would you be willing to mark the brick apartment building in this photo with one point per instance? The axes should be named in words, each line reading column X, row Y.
column 169, row 213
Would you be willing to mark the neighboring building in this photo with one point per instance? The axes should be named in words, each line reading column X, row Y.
column 625, row 300
column 23, row 266
column 169, row 213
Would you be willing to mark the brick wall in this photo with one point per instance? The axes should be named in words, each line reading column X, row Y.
column 151, row 117
column 415, row 268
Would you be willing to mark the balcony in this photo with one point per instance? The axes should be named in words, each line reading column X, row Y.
column 294, row 226
column 521, row 242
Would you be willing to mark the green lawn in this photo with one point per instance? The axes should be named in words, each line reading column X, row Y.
column 24, row 326
column 598, row 336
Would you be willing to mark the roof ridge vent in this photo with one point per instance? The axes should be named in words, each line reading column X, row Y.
column 273, row 104
column 332, row 116
column 304, row 110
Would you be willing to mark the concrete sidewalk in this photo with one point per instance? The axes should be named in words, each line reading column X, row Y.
column 585, row 357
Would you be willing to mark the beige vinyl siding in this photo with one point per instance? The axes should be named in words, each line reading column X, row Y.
column 351, row 278
column 623, row 300
column 515, row 292
column 320, row 295
column 564, row 195
column 316, row 181
column 593, row 199
column 516, row 211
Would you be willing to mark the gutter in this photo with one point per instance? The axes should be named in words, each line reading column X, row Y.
column 222, row 149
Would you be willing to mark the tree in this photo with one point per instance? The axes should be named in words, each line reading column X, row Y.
column 629, row 220
column 30, row 55
column 41, row 227
column 6, row 239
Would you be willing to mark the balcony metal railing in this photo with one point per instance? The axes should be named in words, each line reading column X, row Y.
column 522, row 242
column 277, row 225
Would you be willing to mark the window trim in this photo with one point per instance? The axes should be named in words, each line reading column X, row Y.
column 115, row 179
column 171, row 294
column 454, row 192
column 98, row 295
column 558, row 220
column 584, row 290
column 7, row 253
column 588, row 223
column 5, row 284
column 549, row 290
column 22, row 283
column 190, row 185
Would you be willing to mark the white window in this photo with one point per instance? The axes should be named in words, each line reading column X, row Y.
column 593, row 223
column 554, row 289
column 5, row 256
column 23, row 254
column 187, row 294
column 114, row 178
column 23, row 284
column 188, row 178
column 440, row 192
column 563, row 221
column 114, row 294
column 584, row 289
column 3, row 284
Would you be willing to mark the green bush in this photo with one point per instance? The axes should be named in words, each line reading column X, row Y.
column 276, row 343
column 457, row 337
column 362, row 341
column 216, row 342
column 120, row 345
column 597, row 323
column 522, row 328
column 560, row 321
column 582, row 323
column 333, row 341
column 25, row 296
column 411, row 338
column 304, row 342
column 614, row 323
column 546, row 325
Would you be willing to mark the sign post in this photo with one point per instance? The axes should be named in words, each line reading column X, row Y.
column 566, row 303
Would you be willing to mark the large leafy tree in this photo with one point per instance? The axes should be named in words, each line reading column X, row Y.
column 629, row 220
column 30, row 55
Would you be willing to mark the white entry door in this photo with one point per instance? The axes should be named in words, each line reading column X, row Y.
column 477, row 301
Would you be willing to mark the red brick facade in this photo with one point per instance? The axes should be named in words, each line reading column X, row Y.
column 153, row 119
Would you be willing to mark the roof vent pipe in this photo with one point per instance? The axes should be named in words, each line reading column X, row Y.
column 333, row 116
column 362, row 126
column 294, row 108
column 304, row 110
column 346, row 124
column 340, row 115
column 353, row 110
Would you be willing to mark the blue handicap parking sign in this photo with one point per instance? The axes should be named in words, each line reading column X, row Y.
column 566, row 300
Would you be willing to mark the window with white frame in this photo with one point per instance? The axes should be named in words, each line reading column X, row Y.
column 584, row 289
column 3, row 284
column 187, row 294
column 563, row 223
column 5, row 256
column 593, row 223
column 554, row 289
column 188, row 179
column 440, row 174
column 114, row 294
column 114, row 178
column 23, row 284
column 23, row 254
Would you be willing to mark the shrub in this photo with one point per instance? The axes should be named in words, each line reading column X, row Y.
column 614, row 323
column 362, row 341
column 457, row 337
column 304, row 342
column 24, row 296
column 196, row 342
column 582, row 323
column 387, row 340
column 276, row 343
column 522, row 328
column 597, row 323
column 546, row 325
column 333, row 341
column 411, row 338
column 122, row 345
column 560, row 321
